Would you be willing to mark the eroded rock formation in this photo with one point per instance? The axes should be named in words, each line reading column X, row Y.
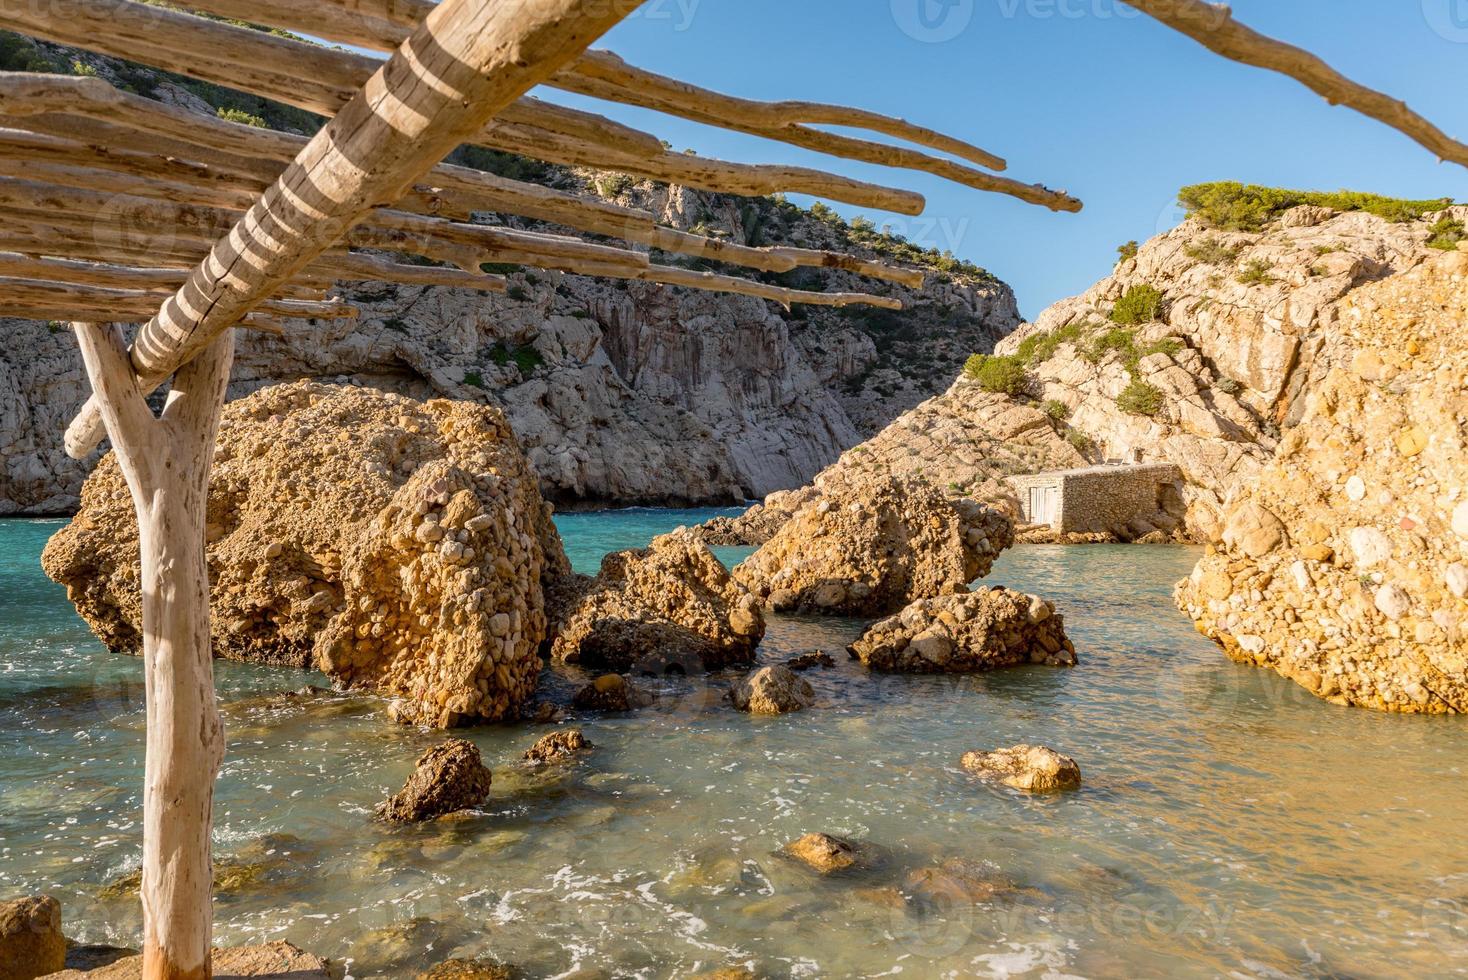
column 772, row 691
column 960, row 634
column 1344, row 565
column 31, row 943
column 868, row 548
column 670, row 606
column 447, row 778
column 1033, row 768
column 398, row 545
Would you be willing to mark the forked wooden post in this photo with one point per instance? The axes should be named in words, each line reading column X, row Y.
column 166, row 462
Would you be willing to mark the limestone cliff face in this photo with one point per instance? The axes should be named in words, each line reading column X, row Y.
column 619, row 392
column 1209, row 373
column 1344, row 566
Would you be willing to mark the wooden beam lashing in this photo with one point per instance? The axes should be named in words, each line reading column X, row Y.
column 1213, row 26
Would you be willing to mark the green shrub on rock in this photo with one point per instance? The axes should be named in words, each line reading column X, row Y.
column 1140, row 398
column 1233, row 206
column 1056, row 409
column 1138, row 305
column 1004, row 374
column 1446, row 234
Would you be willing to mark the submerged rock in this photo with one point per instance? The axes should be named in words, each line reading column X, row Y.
column 397, row 545
column 31, row 943
column 448, row 778
column 871, row 547
column 273, row 960
column 954, row 883
column 462, row 969
column 772, row 691
column 977, row 631
column 1028, row 767
column 671, row 606
column 812, row 660
column 558, row 746
column 609, row 692
column 827, row 854
column 1341, row 565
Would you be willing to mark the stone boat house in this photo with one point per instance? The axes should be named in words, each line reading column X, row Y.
column 1096, row 499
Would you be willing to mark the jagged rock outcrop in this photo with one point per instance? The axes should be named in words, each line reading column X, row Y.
column 31, row 943
column 397, row 545
column 1033, row 768
column 1206, row 378
column 771, row 691
column 1344, row 564
column 670, row 606
column 447, row 778
column 868, row 548
column 960, row 634
column 558, row 746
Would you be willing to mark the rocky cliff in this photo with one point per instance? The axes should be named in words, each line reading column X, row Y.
column 1344, row 564
column 619, row 392
column 1197, row 350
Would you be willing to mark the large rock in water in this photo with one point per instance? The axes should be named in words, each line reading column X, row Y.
column 961, row 634
column 448, row 778
column 31, row 944
column 398, row 545
column 669, row 606
column 870, row 547
column 1345, row 565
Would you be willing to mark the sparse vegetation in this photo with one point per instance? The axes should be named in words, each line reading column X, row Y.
column 1127, row 252
column 1259, row 272
column 1210, row 251
column 241, row 116
column 1446, row 234
column 613, row 184
column 1138, row 305
column 524, row 357
column 1228, row 386
column 474, row 379
column 998, row 373
column 1235, row 206
column 1140, row 398
column 1040, row 346
column 517, row 293
column 1056, row 409
column 1082, row 442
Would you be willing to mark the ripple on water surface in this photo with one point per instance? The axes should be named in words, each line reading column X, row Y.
column 1229, row 824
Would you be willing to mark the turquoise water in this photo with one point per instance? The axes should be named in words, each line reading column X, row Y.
column 1230, row 825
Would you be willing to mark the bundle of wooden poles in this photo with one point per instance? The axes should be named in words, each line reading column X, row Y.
column 116, row 207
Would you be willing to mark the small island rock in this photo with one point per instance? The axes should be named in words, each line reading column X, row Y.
column 448, row 778
column 977, row 631
column 558, row 746
column 772, row 691
column 1029, row 767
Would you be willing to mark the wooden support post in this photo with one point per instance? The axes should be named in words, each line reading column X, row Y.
column 166, row 462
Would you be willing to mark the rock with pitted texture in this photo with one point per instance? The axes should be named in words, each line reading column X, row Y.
column 669, row 607
column 1344, row 566
column 827, row 854
column 448, row 778
column 609, row 692
column 397, row 545
column 963, row 634
column 871, row 547
column 462, row 969
column 558, row 746
column 1034, row 768
column 273, row 961
column 772, row 691
column 31, row 943
column 811, row 660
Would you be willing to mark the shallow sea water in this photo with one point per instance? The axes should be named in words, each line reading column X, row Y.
column 1229, row 825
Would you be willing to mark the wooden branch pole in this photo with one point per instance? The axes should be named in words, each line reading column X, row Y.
column 166, row 462
column 469, row 60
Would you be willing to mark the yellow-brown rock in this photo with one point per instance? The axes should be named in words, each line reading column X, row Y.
column 1360, row 595
column 961, row 634
column 398, row 545
column 868, row 547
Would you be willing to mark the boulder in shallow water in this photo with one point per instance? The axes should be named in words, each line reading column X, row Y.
column 609, row 692
column 960, row 634
column 868, row 548
column 398, row 545
column 273, row 960
column 448, row 778
column 1029, row 767
column 811, row 660
column 462, row 969
column 558, row 746
column 772, row 691
column 828, row 854
column 31, row 943
column 669, row 607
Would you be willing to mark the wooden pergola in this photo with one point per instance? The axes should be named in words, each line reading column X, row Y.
column 116, row 207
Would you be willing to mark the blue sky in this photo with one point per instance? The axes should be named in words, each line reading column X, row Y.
column 1084, row 95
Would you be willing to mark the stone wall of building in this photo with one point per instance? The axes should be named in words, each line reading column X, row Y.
column 1129, row 502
